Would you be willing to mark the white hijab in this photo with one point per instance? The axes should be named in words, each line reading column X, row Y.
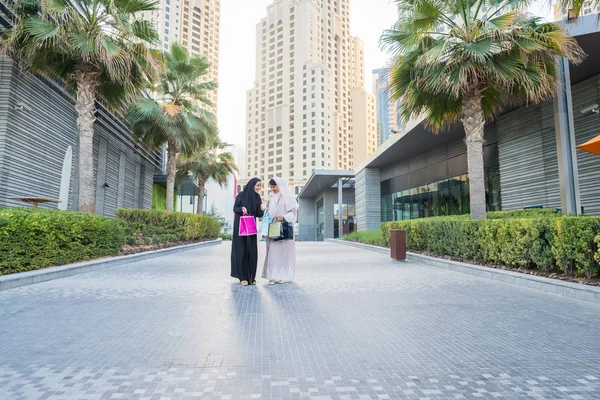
column 286, row 196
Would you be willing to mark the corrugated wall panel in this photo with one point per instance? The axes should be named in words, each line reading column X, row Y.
column 146, row 187
column 112, row 178
column 521, row 159
column 37, row 138
column 129, row 199
column 5, row 86
column 34, row 141
column 528, row 156
column 587, row 126
column 550, row 156
column 367, row 192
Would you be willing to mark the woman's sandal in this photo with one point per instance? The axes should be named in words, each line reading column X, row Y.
column 244, row 283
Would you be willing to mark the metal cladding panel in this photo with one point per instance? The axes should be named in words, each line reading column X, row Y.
column 456, row 147
column 528, row 155
column 5, row 86
column 112, row 179
column 130, row 183
column 587, row 127
column 550, row 155
column 40, row 125
column 367, row 192
column 307, row 220
column 37, row 124
column 146, row 186
column 521, row 153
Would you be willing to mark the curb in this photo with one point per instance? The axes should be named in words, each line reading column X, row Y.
column 547, row 285
column 47, row 274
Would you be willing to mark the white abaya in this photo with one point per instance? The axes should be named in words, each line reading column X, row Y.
column 280, row 259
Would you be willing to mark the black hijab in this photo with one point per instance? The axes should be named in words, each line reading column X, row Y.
column 249, row 198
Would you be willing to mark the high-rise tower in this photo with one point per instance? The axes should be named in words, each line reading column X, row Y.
column 299, row 111
column 195, row 24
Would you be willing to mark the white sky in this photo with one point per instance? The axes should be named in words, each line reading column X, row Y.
column 368, row 19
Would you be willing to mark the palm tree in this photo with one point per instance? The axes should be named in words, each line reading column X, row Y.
column 98, row 48
column 211, row 162
column 466, row 60
column 173, row 113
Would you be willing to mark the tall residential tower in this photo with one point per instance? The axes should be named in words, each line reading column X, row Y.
column 388, row 109
column 299, row 111
column 194, row 24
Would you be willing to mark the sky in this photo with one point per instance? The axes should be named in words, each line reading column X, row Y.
column 368, row 19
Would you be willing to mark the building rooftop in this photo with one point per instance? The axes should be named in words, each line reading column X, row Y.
column 322, row 180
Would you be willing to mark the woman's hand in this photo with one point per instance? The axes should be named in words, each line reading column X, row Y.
column 244, row 210
column 279, row 219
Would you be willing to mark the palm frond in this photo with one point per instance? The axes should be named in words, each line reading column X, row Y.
column 494, row 51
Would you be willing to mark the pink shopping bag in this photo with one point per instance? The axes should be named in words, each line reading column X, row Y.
column 248, row 226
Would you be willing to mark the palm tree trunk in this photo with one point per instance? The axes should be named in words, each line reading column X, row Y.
column 86, row 95
column 474, row 123
column 201, row 190
column 171, row 171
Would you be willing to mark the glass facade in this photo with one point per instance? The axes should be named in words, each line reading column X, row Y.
column 447, row 197
column 348, row 219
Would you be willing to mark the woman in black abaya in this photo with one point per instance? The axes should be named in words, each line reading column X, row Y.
column 244, row 249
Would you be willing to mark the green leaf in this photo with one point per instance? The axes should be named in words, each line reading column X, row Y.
column 41, row 29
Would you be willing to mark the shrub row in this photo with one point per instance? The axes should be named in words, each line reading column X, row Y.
column 568, row 244
column 32, row 240
column 152, row 227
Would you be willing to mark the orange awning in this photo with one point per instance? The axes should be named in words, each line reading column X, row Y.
column 593, row 146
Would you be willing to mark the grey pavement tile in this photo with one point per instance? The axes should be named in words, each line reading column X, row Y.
column 355, row 325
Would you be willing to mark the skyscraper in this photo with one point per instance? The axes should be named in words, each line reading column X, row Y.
column 194, row 24
column 388, row 118
column 299, row 111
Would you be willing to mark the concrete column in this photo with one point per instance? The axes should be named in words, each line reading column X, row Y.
column 307, row 220
column 565, row 142
column 367, row 193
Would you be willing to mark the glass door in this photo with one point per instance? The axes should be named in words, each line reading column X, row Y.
column 320, row 227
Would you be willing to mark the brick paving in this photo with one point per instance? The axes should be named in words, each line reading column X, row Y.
column 355, row 325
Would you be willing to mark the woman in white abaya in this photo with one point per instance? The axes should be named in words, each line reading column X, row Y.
column 280, row 259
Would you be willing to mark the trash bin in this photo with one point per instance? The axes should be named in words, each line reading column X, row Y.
column 398, row 244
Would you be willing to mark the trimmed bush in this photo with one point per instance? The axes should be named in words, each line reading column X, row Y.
column 574, row 246
column 153, row 227
column 597, row 255
column 546, row 242
column 31, row 240
column 531, row 213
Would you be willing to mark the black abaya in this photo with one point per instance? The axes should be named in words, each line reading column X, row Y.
column 244, row 249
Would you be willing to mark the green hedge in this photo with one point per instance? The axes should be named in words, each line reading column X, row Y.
column 531, row 213
column 151, row 227
column 546, row 242
column 32, row 240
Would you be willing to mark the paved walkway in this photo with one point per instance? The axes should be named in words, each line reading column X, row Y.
column 355, row 325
